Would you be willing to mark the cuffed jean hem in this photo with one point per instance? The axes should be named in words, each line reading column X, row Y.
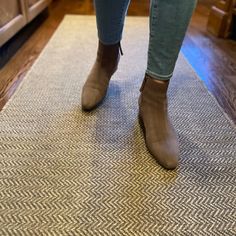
column 157, row 76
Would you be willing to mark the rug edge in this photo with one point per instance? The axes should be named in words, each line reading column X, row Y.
column 232, row 124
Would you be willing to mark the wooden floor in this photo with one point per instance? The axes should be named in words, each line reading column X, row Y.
column 213, row 59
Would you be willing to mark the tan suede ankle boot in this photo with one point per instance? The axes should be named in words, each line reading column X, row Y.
column 106, row 63
column 160, row 137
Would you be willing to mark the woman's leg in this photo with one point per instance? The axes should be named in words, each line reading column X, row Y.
column 168, row 23
column 169, row 20
column 110, row 16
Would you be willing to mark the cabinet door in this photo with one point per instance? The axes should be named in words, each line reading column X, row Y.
column 220, row 20
column 34, row 7
column 12, row 18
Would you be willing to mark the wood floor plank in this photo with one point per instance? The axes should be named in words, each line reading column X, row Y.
column 214, row 60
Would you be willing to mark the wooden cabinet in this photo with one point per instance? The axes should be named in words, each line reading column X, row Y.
column 15, row 14
column 220, row 21
column 33, row 7
column 12, row 18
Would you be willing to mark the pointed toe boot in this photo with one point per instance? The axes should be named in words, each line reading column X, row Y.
column 160, row 137
column 95, row 87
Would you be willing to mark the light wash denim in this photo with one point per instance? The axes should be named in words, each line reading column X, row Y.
column 168, row 23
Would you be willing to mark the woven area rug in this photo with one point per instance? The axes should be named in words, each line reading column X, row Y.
column 66, row 172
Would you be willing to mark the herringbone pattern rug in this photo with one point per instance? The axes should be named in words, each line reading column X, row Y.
column 65, row 172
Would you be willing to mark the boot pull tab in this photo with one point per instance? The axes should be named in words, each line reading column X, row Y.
column 121, row 52
column 143, row 84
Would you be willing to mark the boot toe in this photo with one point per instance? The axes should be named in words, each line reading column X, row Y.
column 167, row 154
column 91, row 97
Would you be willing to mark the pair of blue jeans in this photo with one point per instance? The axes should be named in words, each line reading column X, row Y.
column 168, row 22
